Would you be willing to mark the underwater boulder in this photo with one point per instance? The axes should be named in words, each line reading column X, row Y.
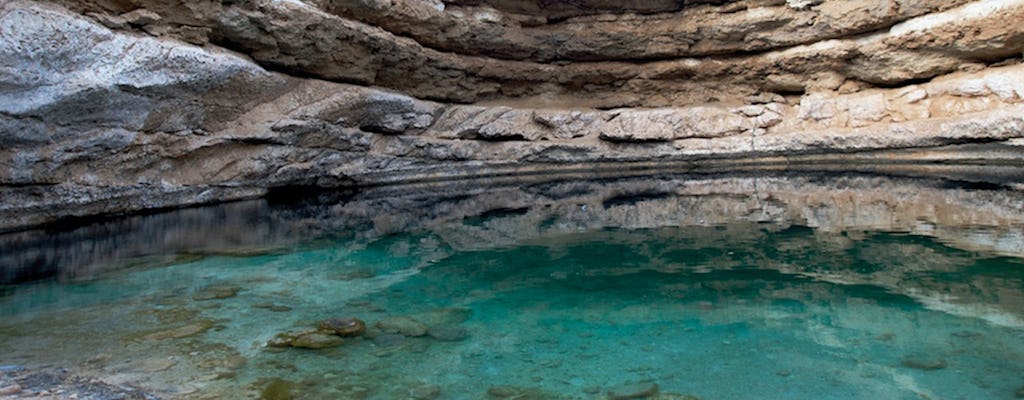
column 405, row 326
column 307, row 339
column 633, row 391
column 447, row 333
column 344, row 327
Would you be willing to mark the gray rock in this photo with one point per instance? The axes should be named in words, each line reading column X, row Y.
column 672, row 124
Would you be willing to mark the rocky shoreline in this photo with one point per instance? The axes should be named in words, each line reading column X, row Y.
column 110, row 108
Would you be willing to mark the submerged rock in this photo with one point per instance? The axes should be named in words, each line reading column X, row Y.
column 673, row 396
column 405, row 326
column 216, row 293
column 521, row 393
column 447, row 333
column 425, row 392
column 502, row 392
column 272, row 307
column 389, row 340
column 1019, row 393
column 633, row 391
column 317, row 340
column 923, row 363
column 280, row 389
column 184, row 331
column 344, row 327
column 308, row 339
column 444, row 316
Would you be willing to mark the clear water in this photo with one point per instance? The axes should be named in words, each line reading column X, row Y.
column 571, row 296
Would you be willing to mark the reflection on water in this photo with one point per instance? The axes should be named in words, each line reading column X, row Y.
column 738, row 287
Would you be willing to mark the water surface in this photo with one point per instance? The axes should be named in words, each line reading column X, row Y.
column 716, row 287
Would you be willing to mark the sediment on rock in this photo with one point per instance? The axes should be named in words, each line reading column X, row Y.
column 111, row 107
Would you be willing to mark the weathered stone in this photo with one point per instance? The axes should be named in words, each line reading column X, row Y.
column 671, row 124
column 100, row 121
column 140, row 16
column 393, row 114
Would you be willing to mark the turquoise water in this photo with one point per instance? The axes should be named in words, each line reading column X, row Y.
column 537, row 302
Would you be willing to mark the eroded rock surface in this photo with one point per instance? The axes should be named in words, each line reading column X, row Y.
column 113, row 106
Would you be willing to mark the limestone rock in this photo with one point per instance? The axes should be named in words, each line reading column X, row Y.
column 114, row 107
column 392, row 114
column 672, row 124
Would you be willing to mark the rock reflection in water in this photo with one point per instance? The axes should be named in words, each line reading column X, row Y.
column 800, row 286
column 990, row 218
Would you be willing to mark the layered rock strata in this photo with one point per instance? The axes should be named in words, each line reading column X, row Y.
column 117, row 106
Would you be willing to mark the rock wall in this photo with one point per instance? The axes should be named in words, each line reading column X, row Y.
column 112, row 106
